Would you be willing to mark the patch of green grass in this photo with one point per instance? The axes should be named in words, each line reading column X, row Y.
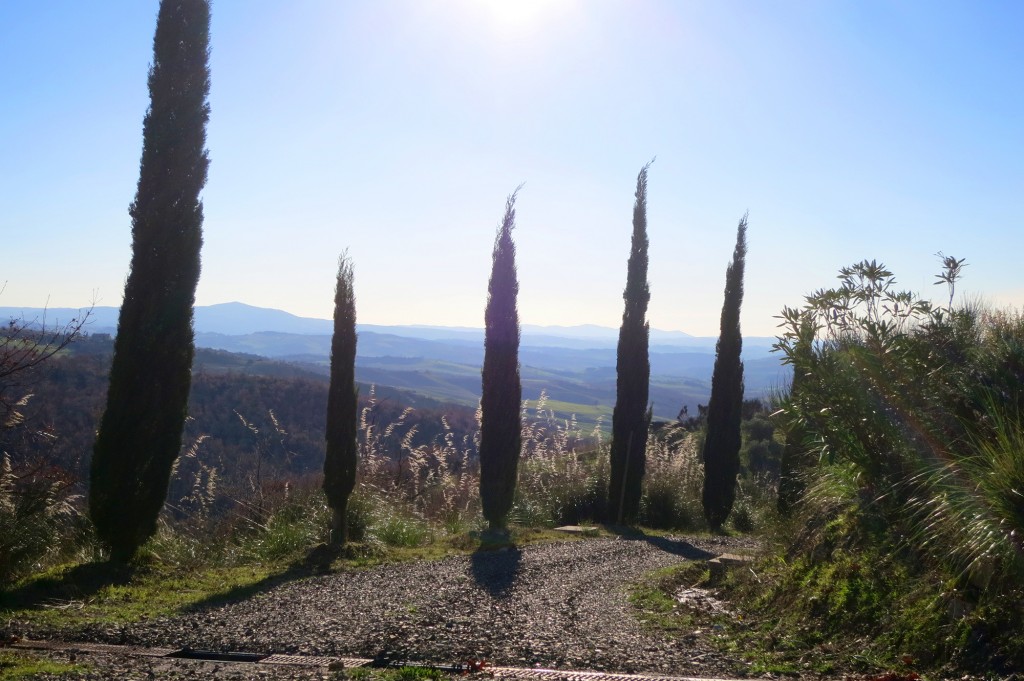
column 823, row 616
column 654, row 596
column 70, row 596
column 767, row 666
column 400, row 530
column 565, row 409
column 399, row 674
column 842, row 600
column 771, row 638
column 19, row 665
column 392, row 674
column 415, row 674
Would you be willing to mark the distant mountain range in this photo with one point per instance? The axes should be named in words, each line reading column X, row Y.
column 239, row 319
column 574, row 365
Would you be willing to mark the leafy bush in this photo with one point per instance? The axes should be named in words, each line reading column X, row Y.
column 921, row 410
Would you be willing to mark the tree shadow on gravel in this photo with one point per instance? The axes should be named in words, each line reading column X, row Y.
column 82, row 582
column 496, row 571
column 76, row 584
column 676, row 547
column 316, row 562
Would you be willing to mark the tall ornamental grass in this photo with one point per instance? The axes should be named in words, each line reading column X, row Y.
column 410, row 494
column 407, row 494
column 40, row 519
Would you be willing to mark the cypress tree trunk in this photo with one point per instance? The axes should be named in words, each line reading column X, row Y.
column 500, row 402
column 631, row 416
column 342, row 405
column 140, row 432
column 721, row 452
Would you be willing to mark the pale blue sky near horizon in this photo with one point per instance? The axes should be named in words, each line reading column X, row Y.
column 849, row 129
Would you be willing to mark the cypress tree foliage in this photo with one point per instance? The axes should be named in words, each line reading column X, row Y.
column 631, row 417
column 796, row 457
column 140, row 432
column 792, row 468
column 500, row 402
column 721, row 452
column 342, row 405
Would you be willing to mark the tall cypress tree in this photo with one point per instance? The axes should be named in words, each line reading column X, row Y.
column 792, row 467
column 721, row 452
column 342, row 405
column 796, row 456
column 500, row 421
column 631, row 417
column 140, row 432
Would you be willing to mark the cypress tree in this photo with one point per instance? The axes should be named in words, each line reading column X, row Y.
column 792, row 467
column 721, row 452
column 631, row 417
column 796, row 456
column 500, row 402
column 342, row 405
column 140, row 431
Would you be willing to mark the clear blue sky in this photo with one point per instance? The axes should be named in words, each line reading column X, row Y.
column 849, row 129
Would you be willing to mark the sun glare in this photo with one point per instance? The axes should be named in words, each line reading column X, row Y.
column 521, row 16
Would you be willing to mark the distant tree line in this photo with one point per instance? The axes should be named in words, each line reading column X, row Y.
column 69, row 395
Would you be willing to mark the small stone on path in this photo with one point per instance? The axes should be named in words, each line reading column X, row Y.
column 578, row 529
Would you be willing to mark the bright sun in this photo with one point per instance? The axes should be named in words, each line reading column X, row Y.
column 518, row 16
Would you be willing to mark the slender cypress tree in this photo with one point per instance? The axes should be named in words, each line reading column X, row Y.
column 631, row 417
column 792, row 466
column 722, row 443
column 500, row 421
column 796, row 456
column 140, row 432
column 342, row 405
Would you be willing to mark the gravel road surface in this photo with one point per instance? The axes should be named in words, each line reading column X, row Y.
column 560, row 605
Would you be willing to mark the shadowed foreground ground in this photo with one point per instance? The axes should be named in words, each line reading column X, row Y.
column 562, row 605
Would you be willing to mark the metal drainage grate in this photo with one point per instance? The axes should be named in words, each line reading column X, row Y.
column 330, row 662
column 570, row 675
column 314, row 661
column 217, row 656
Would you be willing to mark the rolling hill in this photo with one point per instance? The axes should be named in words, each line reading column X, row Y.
column 574, row 366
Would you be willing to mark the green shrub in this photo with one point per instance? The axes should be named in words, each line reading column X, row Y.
column 395, row 528
column 918, row 411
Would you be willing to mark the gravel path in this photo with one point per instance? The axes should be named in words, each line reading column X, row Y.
column 563, row 605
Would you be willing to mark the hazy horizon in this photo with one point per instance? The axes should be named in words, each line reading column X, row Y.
column 57, row 314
